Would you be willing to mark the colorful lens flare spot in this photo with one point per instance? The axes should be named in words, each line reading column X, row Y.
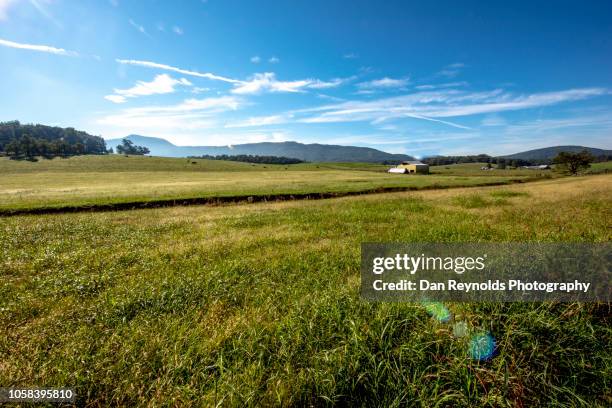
column 482, row 346
column 438, row 311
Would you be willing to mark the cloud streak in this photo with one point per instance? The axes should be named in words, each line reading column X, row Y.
column 161, row 84
column 442, row 104
column 385, row 82
column 189, row 115
column 138, row 27
column 150, row 64
column 267, row 82
column 39, row 48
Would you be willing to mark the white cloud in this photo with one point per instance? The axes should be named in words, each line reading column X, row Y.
column 199, row 90
column 451, row 70
column 191, row 114
column 115, row 98
column 161, row 84
column 256, row 59
column 39, row 48
column 258, row 83
column 268, row 82
column 138, row 27
column 165, row 67
column 350, row 55
column 273, row 60
column 385, row 82
column 177, row 30
column 333, row 83
column 440, row 104
column 457, row 84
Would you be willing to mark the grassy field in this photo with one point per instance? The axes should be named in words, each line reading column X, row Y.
column 101, row 180
column 597, row 168
column 249, row 305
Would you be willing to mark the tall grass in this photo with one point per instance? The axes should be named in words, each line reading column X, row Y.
column 258, row 305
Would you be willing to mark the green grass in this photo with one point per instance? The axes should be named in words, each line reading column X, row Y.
column 478, row 201
column 258, row 305
column 474, row 169
column 120, row 163
column 102, row 180
column 604, row 167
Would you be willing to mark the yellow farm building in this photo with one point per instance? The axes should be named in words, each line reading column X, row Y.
column 410, row 167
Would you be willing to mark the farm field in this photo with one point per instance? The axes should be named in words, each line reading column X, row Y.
column 604, row 167
column 103, row 180
column 474, row 169
column 258, row 304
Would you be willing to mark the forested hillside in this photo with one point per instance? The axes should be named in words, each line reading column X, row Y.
column 26, row 141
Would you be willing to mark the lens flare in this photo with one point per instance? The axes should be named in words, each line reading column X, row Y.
column 482, row 346
column 438, row 311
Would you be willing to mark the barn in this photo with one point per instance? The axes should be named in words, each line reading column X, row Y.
column 410, row 167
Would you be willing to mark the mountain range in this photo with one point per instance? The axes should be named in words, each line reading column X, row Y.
column 548, row 153
column 307, row 152
column 319, row 152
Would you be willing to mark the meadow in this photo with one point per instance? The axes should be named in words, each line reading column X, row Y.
column 258, row 304
column 89, row 181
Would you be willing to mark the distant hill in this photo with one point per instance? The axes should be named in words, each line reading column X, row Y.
column 307, row 152
column 28, row 140
column 548, row 153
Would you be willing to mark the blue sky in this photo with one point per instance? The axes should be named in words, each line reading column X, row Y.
column 422, row 78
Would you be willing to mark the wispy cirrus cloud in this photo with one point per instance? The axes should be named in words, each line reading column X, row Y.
column 434, row 106
column 150, row 64
column 442, row 104
column 39, row 48
column 191, row 114
column 258, row 83
column 452, row 70
column 267, row 82
column 140, row 28
column 385, row 82
column 427, row 87
column 161, row 84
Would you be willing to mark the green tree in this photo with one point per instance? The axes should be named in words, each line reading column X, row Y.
column 501, row 164
column 128, row 147
column 13, row 149
column 572, row 163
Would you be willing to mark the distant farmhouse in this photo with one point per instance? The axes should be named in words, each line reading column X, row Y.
column 410, row 167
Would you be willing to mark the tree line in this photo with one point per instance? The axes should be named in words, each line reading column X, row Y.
column 500, row 162
column 28, row 141
column 247, row 158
